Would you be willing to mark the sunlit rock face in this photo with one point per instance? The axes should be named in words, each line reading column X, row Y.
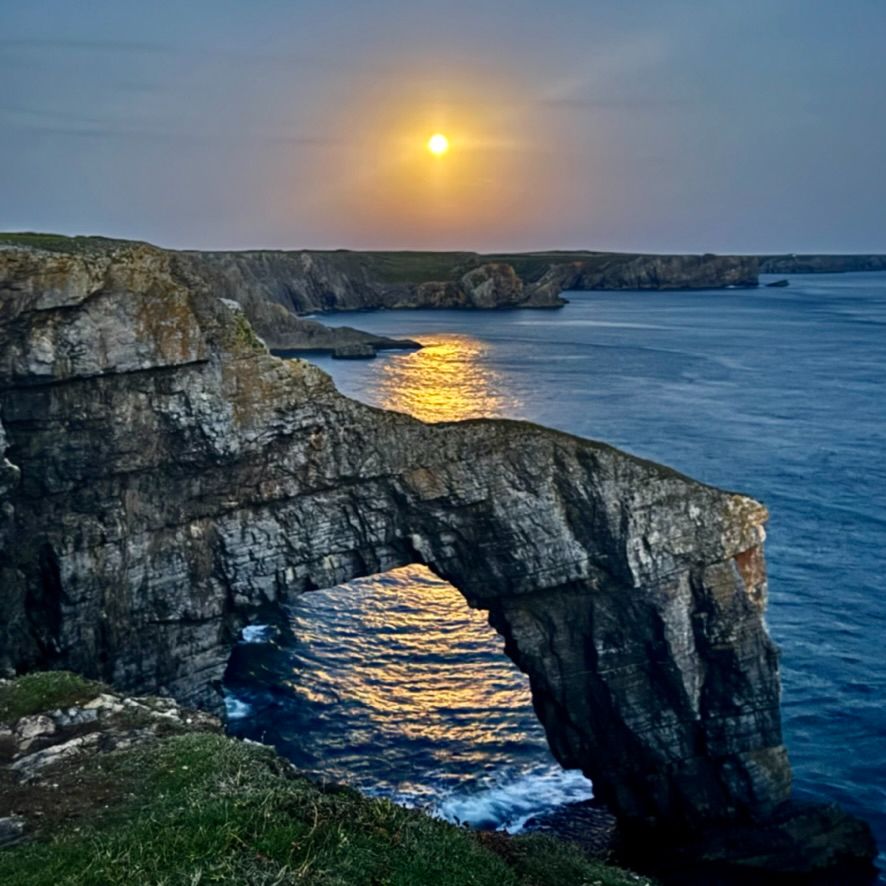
column 175, row 478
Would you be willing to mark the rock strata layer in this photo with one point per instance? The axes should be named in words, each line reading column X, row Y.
column 165, row 478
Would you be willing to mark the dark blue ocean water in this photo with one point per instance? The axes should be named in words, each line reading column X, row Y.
column 779, row 393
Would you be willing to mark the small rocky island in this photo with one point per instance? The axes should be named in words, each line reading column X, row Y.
column 165, row 480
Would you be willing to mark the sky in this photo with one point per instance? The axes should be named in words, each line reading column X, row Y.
column 639, row 125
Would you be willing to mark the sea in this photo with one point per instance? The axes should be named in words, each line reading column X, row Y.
column 392, row 684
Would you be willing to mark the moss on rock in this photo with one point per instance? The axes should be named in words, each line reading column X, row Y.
column 43, row 691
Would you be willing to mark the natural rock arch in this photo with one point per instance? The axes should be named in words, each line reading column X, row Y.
column 179, row 478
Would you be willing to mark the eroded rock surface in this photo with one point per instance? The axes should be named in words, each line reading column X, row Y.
column 171, row 478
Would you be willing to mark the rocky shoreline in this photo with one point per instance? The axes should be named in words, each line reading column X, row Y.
column 165, row 479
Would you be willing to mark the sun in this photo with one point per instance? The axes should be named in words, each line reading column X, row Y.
column 438, row 144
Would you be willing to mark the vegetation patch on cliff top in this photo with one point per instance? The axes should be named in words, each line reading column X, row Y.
column 43, row 691
column 203, row 808
column 62, row 243
column 417, row 267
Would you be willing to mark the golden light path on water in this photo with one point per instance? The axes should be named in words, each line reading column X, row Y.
column 419, row 662
column 447, row 380
column 392, row 684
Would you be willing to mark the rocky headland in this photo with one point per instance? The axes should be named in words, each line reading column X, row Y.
column 165, row 479
column 276, row 289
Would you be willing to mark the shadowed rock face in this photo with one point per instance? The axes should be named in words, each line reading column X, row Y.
column 171, row 478
column 305, row 282
column 820, row 264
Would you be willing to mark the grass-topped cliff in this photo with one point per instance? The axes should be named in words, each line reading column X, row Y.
column 177, row 802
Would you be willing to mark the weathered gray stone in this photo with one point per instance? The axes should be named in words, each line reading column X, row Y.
column 30, row 766
column 175, row 478
column 28, row 728
column 75, row 716
column 12, row 830
column 106, row 723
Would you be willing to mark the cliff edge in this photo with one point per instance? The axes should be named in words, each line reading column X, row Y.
column 100, row 789
column 165, row 478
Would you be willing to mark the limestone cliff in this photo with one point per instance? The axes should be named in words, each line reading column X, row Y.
column 171, row 478
column 306, row 282
column 820, row 264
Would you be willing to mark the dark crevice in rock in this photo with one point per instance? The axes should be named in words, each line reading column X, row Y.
column 43, row 607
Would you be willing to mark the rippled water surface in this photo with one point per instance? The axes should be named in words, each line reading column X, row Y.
column 777, row 393
column 392, row 684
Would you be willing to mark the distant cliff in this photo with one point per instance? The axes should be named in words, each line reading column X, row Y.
column 820, row 264
column 309, row 282
column 164, row 479
column 276, row 288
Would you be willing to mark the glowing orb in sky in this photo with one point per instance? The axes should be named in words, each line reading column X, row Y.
column 438, row 144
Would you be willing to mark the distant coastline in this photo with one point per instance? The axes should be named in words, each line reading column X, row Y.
column 277, row 288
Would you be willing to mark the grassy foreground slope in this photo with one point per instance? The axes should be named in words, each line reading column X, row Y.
column 199, row 808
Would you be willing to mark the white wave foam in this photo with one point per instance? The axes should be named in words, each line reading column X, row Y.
column 257, row 633
column 235, row 709
column 508, row 800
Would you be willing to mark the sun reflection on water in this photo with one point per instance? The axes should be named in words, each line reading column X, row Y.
column 432, row 670
column 449, row 379
column 390, row 678
column 392, row 684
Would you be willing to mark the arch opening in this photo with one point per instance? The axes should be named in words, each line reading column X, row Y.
column 393, row 684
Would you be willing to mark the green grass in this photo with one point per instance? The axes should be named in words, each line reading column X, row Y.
column 417, row 267
column 199, row 809
column 61, row 243
column 43, row 691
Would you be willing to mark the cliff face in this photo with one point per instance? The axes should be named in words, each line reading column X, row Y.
column 306, row 282
column 171, row 478
column 670, row 272
column 820, row 264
